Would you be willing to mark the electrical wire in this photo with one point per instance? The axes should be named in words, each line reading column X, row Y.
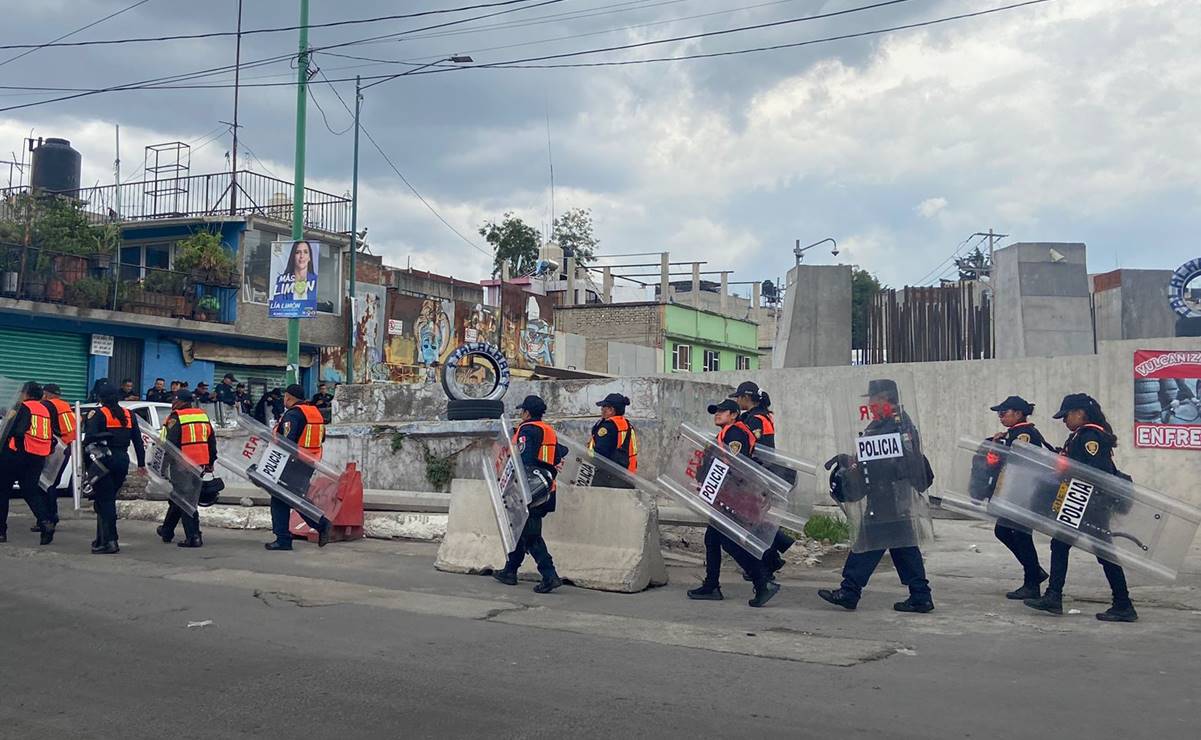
column 251, row 32
column 324, row 117
column 31, row 48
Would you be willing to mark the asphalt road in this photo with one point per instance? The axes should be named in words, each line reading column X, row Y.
column 367, row 640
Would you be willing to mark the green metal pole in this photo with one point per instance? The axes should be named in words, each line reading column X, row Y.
column 354, row 226
column 302, row 79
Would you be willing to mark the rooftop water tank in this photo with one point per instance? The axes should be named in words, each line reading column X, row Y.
column 56, row 167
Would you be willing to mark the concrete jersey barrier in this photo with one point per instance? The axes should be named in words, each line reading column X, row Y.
column 601, row 538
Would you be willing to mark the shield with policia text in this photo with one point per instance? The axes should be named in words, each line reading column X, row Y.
column 734, row 493
column 795, row 508
column 584, row 467
column 1107, row 515
column 276, row 465
column 172, row 475
column 507, row 485
column 879, row 474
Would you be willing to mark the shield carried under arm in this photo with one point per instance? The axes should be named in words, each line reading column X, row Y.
column 508, row 487
column 172, row 475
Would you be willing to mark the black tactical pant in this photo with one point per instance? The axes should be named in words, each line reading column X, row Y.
column 1021, row 544
column 910, row 568
column 24, row 470
column 531, row 541
column 715, row 542
column 1113, row 573
column 191, row 524
column 104, row 497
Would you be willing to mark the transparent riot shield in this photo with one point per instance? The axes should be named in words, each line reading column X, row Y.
column 584, row 467
column 283, row 470
column 1104, row 514
column 10, row 396
column 879, row 474
column 53, row 468
column 975, row 467
column 77, row 461
column 507, row 486
column 735, row 494
column 172, row 475
column 797, row 505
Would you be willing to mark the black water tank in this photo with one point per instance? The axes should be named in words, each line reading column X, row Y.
column 56, row 167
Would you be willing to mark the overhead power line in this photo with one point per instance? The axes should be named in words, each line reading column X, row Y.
column 31, row 48
column 256, row 31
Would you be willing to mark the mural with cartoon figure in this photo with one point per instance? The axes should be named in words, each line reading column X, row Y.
column 537, row 338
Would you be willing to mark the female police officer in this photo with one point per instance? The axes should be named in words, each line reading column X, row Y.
column 1090, row 442
column 107, row 434
column 1013, row 413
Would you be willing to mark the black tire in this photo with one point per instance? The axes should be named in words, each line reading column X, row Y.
column 489, row 354
column 474, row 409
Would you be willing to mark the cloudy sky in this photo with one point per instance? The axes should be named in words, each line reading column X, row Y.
column 1071, row 120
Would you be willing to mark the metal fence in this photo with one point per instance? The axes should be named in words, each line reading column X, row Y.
column 951, row 322
column 191, row 196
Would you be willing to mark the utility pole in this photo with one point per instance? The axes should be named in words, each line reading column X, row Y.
column 354, row 225
column 116, row 264
column 233, row 170
column 992, row 237
column 302, row 79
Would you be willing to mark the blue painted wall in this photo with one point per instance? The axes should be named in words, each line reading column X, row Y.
column 163, row 359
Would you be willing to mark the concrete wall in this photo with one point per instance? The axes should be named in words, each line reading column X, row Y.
column 569, row 350
column 1132, row 304
column 815, row 328
column 632, row 323
column 630, row 360
column 952, row 401
column 1043, row 306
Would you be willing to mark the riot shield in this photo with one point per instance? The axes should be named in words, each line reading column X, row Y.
column 77, row 464
column 1104, row 514
column 732, row 492
column 53, row 468
column 283, row 470
column 172, row 475
column 879, row 474
column 584, row 467
column 797, row 505
column 507, row 486
column 10, row 396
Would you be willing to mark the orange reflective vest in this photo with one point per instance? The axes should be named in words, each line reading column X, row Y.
column 313, row 435
column 721, row 436
column 627, row 444
column 550, row 441
column 194, row 433
column 112, row 422
column 66, row 420
column 37, row 438
column 767, row 420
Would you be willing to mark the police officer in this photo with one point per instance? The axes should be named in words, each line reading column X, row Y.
column 62, row 426
column 736, row 437
column 1090, row 441
column 540, row 450
column 22, row 456
column 755, row 406
column 1013, row 413
column 322, row 398
column 302, row 424
column 614, row 438
column 112, row 428
column 189, row 429
column 158, row 393
column 888, row 485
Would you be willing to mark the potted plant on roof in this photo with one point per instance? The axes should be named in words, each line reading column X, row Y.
column 211, row 267
column 207, row 307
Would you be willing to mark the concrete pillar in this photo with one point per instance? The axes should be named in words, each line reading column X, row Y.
column 696, row 284
column 756, row 289
column 570, row 298
column 725, row 290
column 581, row 285
column 664, row 278
column 815, row 329
column 607, row 284
column 1043, row 307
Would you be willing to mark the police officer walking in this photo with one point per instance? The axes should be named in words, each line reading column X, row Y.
column 302, row 424
column 191, row 431
column 1090, row 441
column 23, row 455
column 108, row 432
column 541, row 453
column 755, row 406
column 736, row 437
column 889, row 486
column 613, row 438
column 62, row 425
column 1013, row 413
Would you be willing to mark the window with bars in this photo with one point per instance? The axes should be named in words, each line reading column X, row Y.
column 681, row 358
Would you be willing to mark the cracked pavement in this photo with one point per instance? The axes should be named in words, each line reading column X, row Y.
column 366, row 639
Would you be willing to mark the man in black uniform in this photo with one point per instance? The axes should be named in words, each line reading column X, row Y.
column 540, row 452
column 889, row 486
column 755, row 406
column 736, row 437
column 303, row 425
column 23, row 453
column 264, row 410
column 159, row 393
column 322, row 398
column 127, row 391
column 191, row 432
column 614, row 438
column 242, row 399
column 202, row 394
column 1013, row 413
column 226, row 393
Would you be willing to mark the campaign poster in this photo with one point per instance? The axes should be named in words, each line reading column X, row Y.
column 293, row 279
column 1167, row 399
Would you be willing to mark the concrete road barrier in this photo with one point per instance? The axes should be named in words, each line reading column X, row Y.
column 601, row 538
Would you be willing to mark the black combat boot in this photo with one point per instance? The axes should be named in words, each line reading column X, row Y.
column 1116, row 613
column 191, row 542
column 706, row 592
column 163, row 534
column 47, row 533
column 763, row 593
column 1051, row 601
column 507, row 577
column 323, row 532
column 840, row 597
column 106, row 548
column 914, row 606
column 546, row 585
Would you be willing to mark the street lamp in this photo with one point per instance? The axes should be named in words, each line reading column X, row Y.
column 799, row 251
column 354, row 187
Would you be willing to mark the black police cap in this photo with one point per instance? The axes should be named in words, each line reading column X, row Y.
column 1014, row 403
column 295, row 391
column 726, row 405
column 184, row 396
column 532, row 404
column 616, row 400
column 745, row 389
column 882, row 387
column 1073, row 401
